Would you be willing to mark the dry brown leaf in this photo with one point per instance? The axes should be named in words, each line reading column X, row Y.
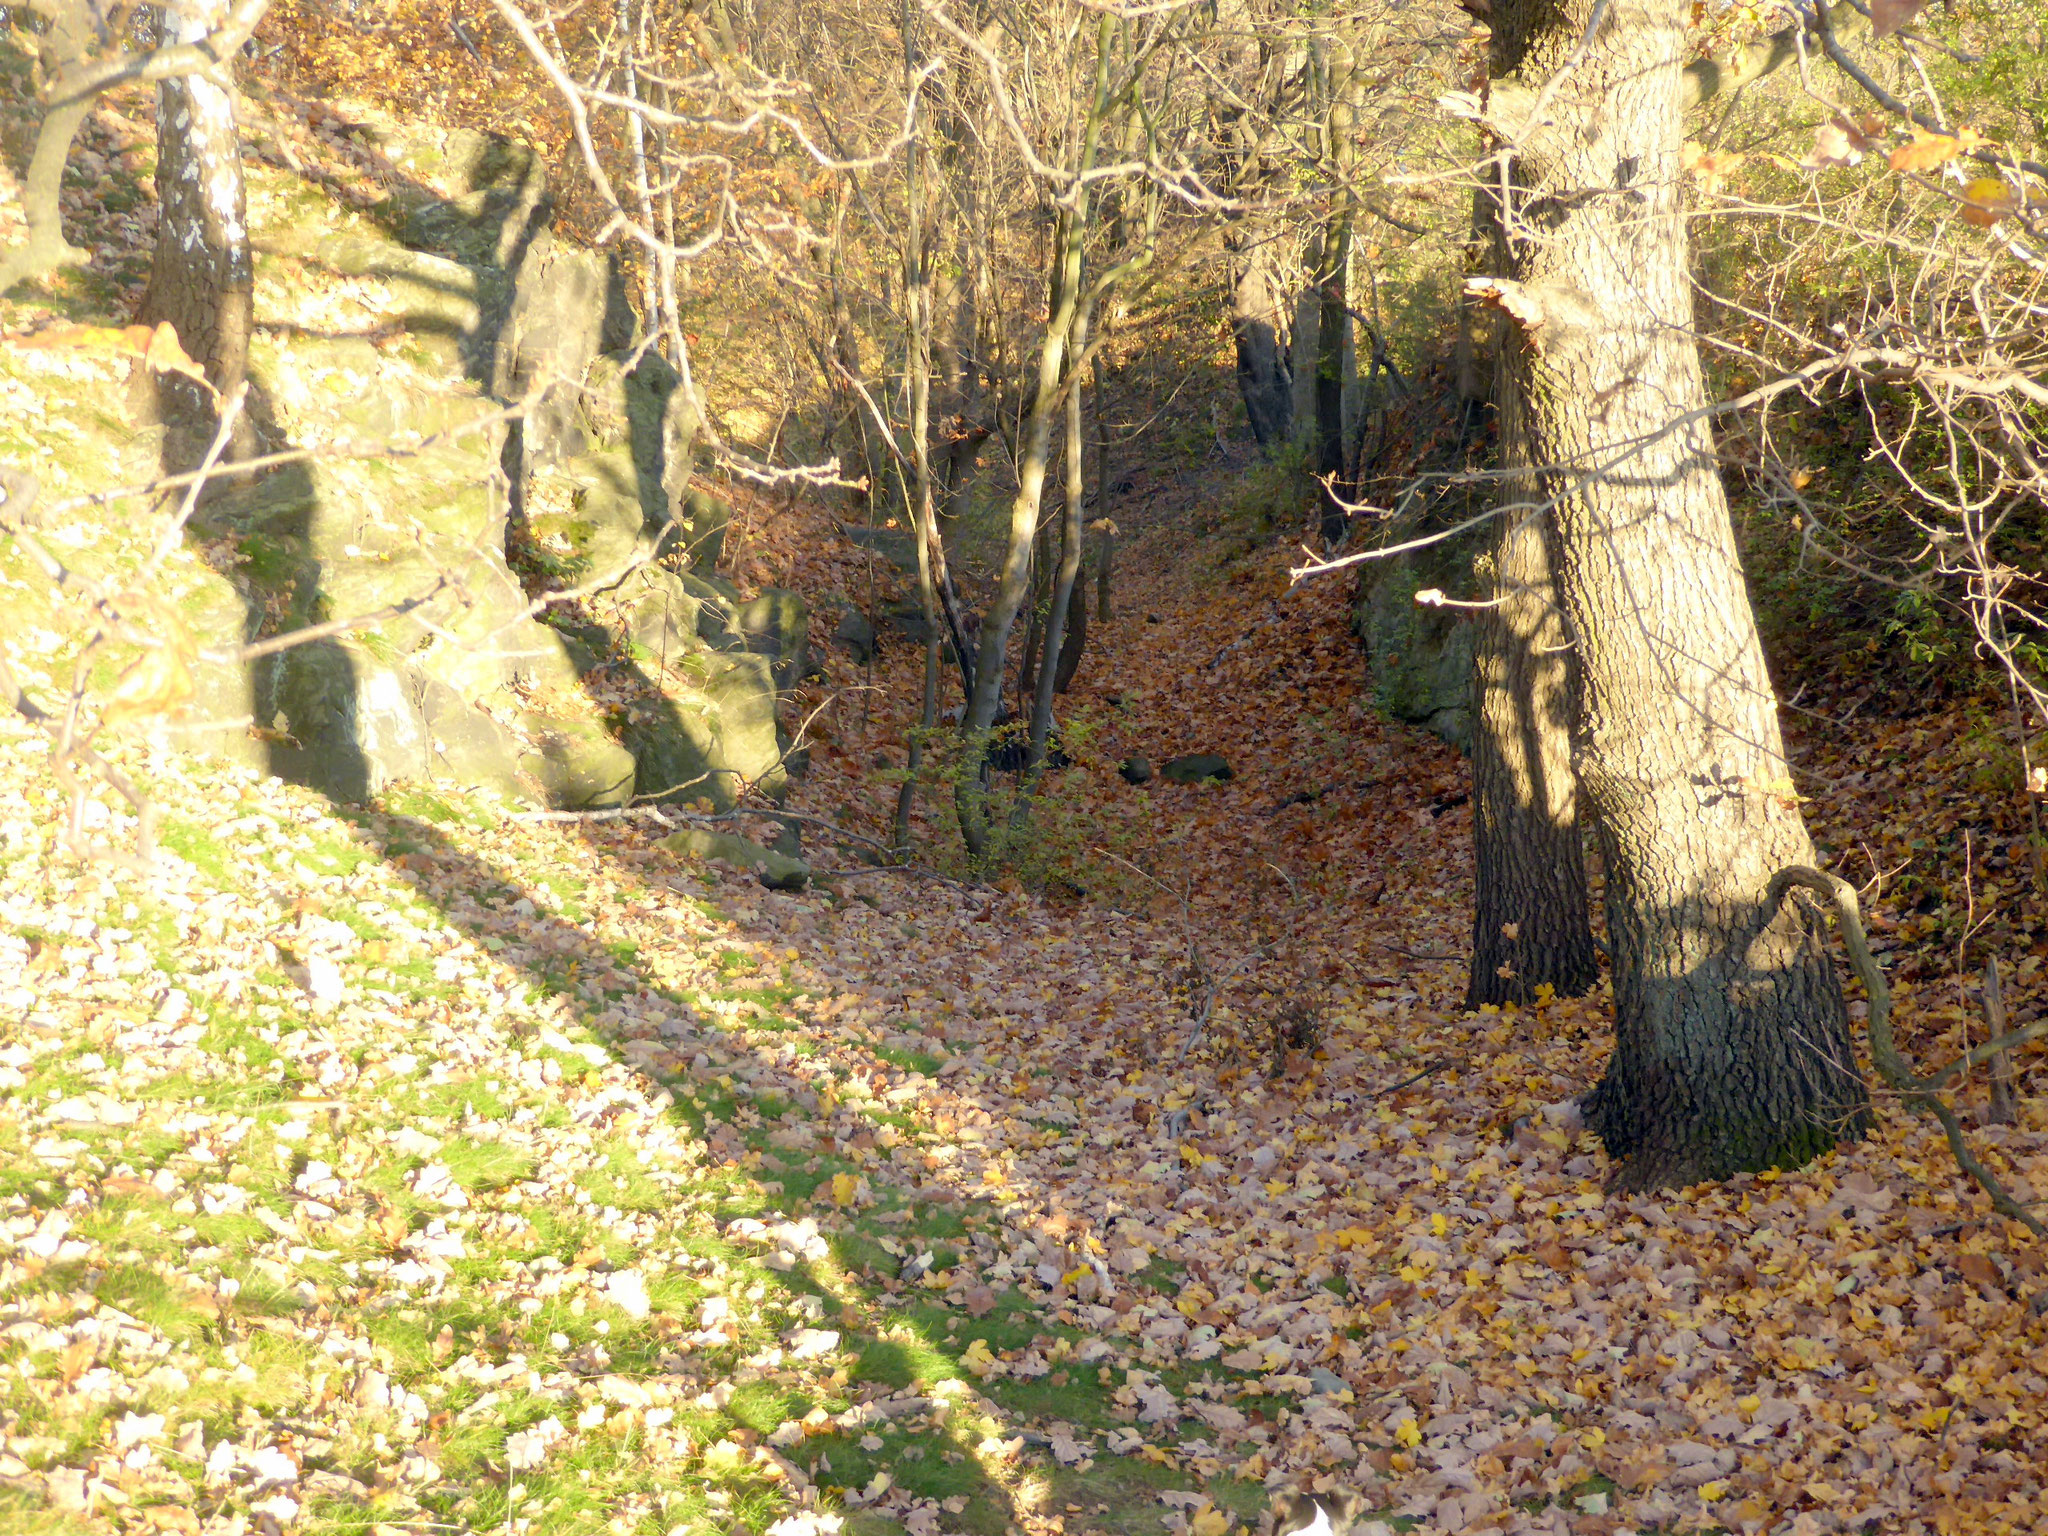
column 1978, row 1269
column 1833, row 144
column 155, row 683
column 1711, row 167
column 1926, row 152
column 1887, row 16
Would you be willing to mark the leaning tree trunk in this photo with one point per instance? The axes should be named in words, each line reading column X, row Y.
column 203, row 281
column 1731, row 1041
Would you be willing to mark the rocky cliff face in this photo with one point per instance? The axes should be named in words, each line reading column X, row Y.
column 413, row 325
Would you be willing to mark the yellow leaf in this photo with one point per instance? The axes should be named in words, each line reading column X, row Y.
column 1209, row 1522
column 844, row 1188
column 977, row 1359
column 1408, row 1433
column 1987, row 200
column 1714, row 1490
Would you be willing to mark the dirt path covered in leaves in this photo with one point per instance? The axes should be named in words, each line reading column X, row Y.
column 424, row 1168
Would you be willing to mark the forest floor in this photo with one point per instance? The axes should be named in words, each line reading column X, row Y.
column 421, row 1166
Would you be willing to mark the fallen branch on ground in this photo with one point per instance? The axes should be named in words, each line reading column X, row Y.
column 1918, row 1092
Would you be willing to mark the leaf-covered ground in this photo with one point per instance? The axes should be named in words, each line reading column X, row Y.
column 420, row 1167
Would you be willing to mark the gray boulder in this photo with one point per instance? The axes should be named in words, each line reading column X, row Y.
column 855, row 635
column 777, row 625
column 1195, row 768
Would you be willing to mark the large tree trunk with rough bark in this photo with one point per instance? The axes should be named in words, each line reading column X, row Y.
column 1530, row 927
column 1530, row 923
column 203, row 281
column 1732, row 1048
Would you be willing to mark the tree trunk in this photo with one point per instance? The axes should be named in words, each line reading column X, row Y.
column 1333, row 327
column 1529, row 904
column 1530, row 924
column 1333, row 268
column 917, row 308
column 1074, row 645
column 1732, row 1048
column 67, row 40
column 1258, row 322
column 1057, row 635
column 1478, row 322
column 203, row 281
column 1012, row 586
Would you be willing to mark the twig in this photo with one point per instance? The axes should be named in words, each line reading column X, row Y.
column 2000, row 1111
column 1412, row 954
column 1918, row 1092
column 1428, row 1070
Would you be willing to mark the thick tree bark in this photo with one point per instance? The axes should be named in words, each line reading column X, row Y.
column 1530, row 923
column 203, row 281
column 1732, row 1048
column 1530, row 926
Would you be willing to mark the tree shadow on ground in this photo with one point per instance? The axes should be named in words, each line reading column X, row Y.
column 725, row 1056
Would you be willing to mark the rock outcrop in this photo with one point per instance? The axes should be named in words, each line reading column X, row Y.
column 438, row 311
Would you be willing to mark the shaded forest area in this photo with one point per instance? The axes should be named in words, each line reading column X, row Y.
column 1225, row 768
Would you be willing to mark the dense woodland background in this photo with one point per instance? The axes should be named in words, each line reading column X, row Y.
column 985, row 768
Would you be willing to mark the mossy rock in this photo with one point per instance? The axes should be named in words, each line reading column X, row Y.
column 716, row 735
column 657, row 611
column 1421, row 657
column 706, row 517
column 605, row 522
column 429, row 293
column 718, row 604
column 575, row 764
column 777, row 625
column 1196, row 768
column 623, row 401
column 778, row 871
column 351, row 723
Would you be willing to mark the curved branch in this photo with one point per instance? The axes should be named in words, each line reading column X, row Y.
column 1918, row 1092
